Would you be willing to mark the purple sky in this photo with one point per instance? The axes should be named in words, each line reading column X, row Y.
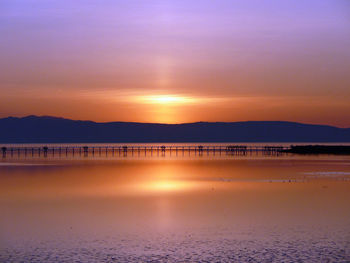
column 220, row 60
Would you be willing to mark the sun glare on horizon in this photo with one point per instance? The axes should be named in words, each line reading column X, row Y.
column 165, row 99
column 165, row 108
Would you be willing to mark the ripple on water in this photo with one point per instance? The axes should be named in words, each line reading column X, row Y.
column 188, row 250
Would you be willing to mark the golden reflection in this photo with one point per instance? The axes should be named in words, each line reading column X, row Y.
column 166, row 186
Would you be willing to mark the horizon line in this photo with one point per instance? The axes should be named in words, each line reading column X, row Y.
column 159, row 123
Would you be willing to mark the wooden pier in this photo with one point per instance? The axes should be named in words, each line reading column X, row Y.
column 125, row 150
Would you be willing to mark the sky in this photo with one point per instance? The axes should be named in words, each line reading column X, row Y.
column 176, row 61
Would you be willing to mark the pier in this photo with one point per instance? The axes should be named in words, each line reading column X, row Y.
column 144, row 150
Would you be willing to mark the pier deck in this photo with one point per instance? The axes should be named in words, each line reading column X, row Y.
column 132, row 149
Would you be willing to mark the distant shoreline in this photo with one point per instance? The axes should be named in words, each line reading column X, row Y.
column 319, row 149
column 33, row 129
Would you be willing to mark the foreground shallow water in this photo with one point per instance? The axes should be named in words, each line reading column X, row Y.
column 175, row 209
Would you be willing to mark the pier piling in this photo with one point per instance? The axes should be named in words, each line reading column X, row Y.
column 3, row 150
column 148, row 149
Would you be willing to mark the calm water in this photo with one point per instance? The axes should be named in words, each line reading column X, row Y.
column 175, row 209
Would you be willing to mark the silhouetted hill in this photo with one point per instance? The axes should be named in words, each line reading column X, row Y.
column 33, row 129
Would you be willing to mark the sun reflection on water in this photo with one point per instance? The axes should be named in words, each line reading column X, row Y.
column 166, row 186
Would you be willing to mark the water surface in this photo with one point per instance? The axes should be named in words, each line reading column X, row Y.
column 175, row 209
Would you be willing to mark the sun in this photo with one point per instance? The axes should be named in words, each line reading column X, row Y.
column 166, row 99
column 163, row 107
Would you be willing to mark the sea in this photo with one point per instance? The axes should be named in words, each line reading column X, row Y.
column 174, row 206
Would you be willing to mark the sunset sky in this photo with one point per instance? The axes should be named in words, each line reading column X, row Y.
column 175, row 61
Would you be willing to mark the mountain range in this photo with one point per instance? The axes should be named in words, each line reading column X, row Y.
column 46, row 129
